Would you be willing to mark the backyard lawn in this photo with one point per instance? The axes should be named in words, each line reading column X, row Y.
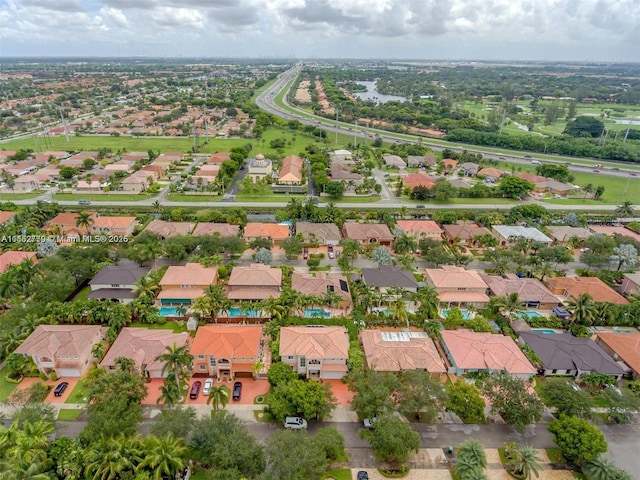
column 6, row 388
column 78, row 394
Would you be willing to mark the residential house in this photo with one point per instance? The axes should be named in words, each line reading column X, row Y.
column 219, row 158
column 394, row 161
column 291, row 171
column 611, row 231
column 415, row 161
column 393, row 350
column 220, row 229
column 14, row 257
column 254, row 282
column 385, row 277
column 5, row 217
column 341, row 155
column 449, row 164
column 318, row 352
column 464, row 234
column 630, row 284
column 564, row 354
column 420, row 229
column 531, row 291
column 183, row 284
column 471, row 352
column 414, row 180
column 259, row 168
column 26, row 184
column 276, row 232
column 137, row 182
column 84, row 186
column 572, row 287
column 563, row 234
column 490, row 173
column 63, row 349
column 226, row 351
column 321, row 285
column 117, row 226
column 555, row 187
column 66, row 224
column 623, row 346
column 470, row 169
column 508, row 234
column 458, row 287
column 368, row 233
column 340, row 172
column 143, row 346
column 47, row 174
column 169, row 229
column 530, row 177
column 319, row 233
column 117, row 283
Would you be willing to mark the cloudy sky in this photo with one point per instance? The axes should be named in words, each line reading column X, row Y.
column 579, row 30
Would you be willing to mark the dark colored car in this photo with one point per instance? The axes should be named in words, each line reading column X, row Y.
column 305, row 253
column 195, row 390
column 362, row 475
column 237, row 390
column 60, row 389
column 330, row 251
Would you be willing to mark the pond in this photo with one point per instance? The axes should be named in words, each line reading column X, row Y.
column 373, row 94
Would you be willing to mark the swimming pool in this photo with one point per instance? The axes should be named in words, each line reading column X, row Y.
column 549, row 331
column 316, row 313
column 169, row 312
column 236, row 312
column 466, row 315
column 529, row 314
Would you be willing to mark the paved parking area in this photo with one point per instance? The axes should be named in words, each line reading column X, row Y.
column 51, row 398
column 435, row 474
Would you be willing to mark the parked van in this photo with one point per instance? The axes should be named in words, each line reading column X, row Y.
column 535, row 162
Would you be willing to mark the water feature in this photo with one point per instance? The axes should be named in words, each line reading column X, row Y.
column 373, row 94
column 546, row 331
column 168, row 312
column 236, row 312
column 316, row 313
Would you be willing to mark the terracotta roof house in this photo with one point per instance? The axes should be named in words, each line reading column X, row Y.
column 137, row 182
column 65, row 223
column 622, row 346
column 219, row 157
column 254, row 282
column 14, row 257
column 64, row 349
column 169, row 229
column 393, row 161
column 340, row 172
column 449, row 164
column 400, row 350
column 368, row 233
column 469, row 351
column 119, row 226
column 6, row 216
column 143, row 346
column 567, row 287
column 420, row 229
column 183, row 284
column 26, row 184
column 508, row 234
column 273, row 231
column 221, row 229
column 470, row 169
column 630, row 284
column 554, row 186
column 562, row 234
column 490, row 172
column 291, row 170
column 530, row 177
column 319, row 233
column 47, row 174
column 464, row 234
column 564, row 354
column 317, row 352
column 116, row 283
column 610, row 231
column 386, row 276
column 414, row 180
column 530, row 290
column 226, row 351
column 320, row 284
column 84, row 187
column 457, row 287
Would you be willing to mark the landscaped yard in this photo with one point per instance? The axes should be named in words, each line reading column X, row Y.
column 101, row 197
column 69, row 414
column 174, row 326
column 6, row 388
column 78, row 394
column 339, row 474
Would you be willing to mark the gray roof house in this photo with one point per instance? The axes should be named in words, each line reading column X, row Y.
column 322, row 233
column 387, row 276
column 470, row 169
column 564, row 354
column 393, row 161
column 117, row 282
column 506, row 233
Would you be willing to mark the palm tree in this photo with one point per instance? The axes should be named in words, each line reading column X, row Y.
column 604, row 469
column 84, row 219
column 399, row 313
column 151, row 250
column 544, row 270
column 177, row 361
column 582, row 309
column 351, row 249
column 112, row 458
column 219, row 396
column 509, row 305
column 164, row 456
column 170, row 394
column 146, row 288
column 525, row 461
column 605, row 313
column 428, row 302
column 625, row 209
column 256, row 368
column 404, row 244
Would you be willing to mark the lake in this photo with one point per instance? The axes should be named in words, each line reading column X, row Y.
column 373, row 94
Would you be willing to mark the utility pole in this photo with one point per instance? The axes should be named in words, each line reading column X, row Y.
column 627, row 132
column 336, row 125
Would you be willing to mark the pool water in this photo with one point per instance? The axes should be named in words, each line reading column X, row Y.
column 236, row 312
column 316, row 313
column 168, row 312
column 466, row 315
column 544, row 330
column 530, row 314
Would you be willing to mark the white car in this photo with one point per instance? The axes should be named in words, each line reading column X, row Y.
column 208, row 383
column 295, row 423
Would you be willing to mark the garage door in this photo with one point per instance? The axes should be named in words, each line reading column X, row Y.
column 68, row 372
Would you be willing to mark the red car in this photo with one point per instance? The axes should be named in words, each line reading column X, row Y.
column 596, row 170
column 634, row 174
column 305, row 253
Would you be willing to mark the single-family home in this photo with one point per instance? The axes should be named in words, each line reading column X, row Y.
column 5, row 217
column 318, row 352
column 259, row 168
column 324, row 286
column 509, row 234
column 340, row 172
column 394, row 161
column 14, row 257
column 254, row 282
column 66, row 223
column 464, row 234
column 368, row 233
column 226, row 351
column 136, row 183
column 393, row 350
column 458, row 287
column 291, row 170
column 449, row 164
column 182, row 284
column 386, row 276
column 564, row 354
column 470, row 352
column 276, row 232
column 216, row 229
column 84, row 186
column 555, row 187
column 623, row 346
column 318, row 233
column 117, row 226
column 63, row 349
column 610, row 231
column 562, row 234
column 414, row 180
column 169, row 229
column 490, row 172
column 218, row 158
column 531, row 291
column 143, row 346
column 420, row 229
column 573, row 287
column 26, row 184
column 630, row 284
column 117, row 282
column 470, row 169
column 530, row 177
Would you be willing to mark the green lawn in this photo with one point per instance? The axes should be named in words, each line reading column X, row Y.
column 181, row 197
column 82, row 294
column 102, row 197
column 339, row 474
column 267, row 197
column 4, row 197
column 78, row 394
column 358, row 199
column 174, row 326
column 6, row 388
column 69, row 414
column 614, row 187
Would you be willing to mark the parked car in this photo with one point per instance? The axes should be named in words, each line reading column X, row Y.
column 60, row 388
column 595, row 170
column 330, row 251
column 362, row 475
column 295, row 423
column 237, row 391
column 368, row 422
column 305, row 253
column 84, row 202
column 420, row 206
column 633, row 174
column 208, row 383
column 195, row 390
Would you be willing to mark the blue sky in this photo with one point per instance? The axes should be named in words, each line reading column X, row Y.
column 576, row 30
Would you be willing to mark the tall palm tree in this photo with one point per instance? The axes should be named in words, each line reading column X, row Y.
column 151, row 250
column 509, row 305
column 170, row 394
column 625, row 209
column 404, row 244
column 219, row 396
column 113, row 458
column 256, row 368
column 177, row 362
column 605, row 313
column 525, row 461
column 603, row 469
column 428, row 302
column 146, row 288
column 163, row 456
column 544, row 270
column 582, row 309
column 399, row 312
column 84, row 219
